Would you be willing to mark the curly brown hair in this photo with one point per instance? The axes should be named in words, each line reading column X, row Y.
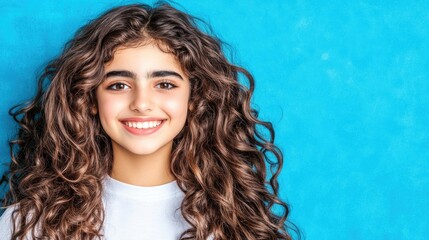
column 220, row 159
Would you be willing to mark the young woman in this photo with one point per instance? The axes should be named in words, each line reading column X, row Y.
column 141, row 130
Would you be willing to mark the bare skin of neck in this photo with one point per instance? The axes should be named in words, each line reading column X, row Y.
column 142, row 170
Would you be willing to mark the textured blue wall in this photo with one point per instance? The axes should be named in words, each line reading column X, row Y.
column 345, row 83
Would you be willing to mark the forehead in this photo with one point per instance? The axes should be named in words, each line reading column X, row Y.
column 143, row 57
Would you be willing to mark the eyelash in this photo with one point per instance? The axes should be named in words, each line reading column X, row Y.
column 115, row 86
column 167, row 82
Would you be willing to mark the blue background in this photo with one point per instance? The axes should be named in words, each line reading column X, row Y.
column 345, row 83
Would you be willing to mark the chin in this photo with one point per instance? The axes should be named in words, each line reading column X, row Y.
column 144, row 152
column 147, row 150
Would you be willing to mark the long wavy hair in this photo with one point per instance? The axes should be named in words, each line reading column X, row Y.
column 224, row 159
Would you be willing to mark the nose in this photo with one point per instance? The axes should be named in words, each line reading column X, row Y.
column 142, row 99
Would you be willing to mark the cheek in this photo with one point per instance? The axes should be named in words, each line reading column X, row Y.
column 108, row 107
column 177, row 107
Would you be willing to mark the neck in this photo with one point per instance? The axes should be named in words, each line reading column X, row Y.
column 142, row 170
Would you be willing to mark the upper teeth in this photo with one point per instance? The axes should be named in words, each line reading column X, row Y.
column 143, row 125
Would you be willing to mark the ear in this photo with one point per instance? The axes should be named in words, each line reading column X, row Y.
column 94, row 110
column 191, row 107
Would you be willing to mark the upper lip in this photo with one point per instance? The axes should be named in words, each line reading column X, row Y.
column 141, row 119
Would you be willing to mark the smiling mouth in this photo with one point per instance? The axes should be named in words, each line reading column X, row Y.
column 143, row 125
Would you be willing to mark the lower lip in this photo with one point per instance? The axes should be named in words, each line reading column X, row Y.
column 143, row 131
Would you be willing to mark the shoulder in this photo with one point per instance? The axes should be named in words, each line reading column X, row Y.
column 6, row 223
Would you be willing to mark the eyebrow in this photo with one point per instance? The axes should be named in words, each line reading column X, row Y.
column 121, row 73
column 164, row 73
column 154, row 74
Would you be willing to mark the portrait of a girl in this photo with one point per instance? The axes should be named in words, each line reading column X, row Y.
column 141, row 129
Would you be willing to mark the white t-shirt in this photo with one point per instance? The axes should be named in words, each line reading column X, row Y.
column 133, row 212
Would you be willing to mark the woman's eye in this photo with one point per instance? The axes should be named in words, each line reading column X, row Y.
column 166, row 85
column 118, row 86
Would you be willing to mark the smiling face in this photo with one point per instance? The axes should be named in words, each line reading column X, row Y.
column 143, row 101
